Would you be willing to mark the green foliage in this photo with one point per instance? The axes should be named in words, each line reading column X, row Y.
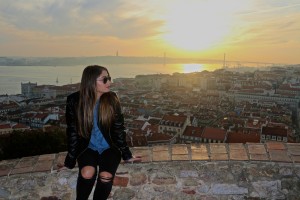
column 30, row 143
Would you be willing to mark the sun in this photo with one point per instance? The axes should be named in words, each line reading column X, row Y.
column 192, row 67
column 197, row 25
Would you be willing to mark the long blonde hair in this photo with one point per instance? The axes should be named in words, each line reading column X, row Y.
column 87, row 99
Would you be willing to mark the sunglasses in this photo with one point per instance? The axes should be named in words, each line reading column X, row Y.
column 105, row 79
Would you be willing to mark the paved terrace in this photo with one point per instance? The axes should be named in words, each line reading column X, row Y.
column 197, row 171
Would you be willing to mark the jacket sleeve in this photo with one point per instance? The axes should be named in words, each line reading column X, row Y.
column 72, row 135
column 119, row 135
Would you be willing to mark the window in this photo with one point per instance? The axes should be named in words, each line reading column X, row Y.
column 263, row 137
column 274, row 137
column 279, row 138
column 268, row 137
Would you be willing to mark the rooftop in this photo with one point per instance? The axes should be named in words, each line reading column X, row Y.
column 179, row 171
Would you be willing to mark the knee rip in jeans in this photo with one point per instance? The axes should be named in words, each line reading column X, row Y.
column 105, row 177
column 88, row 172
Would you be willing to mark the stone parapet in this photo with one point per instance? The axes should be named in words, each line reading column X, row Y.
column 179, row 171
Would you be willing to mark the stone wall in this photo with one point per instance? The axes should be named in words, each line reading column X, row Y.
column 203, row 171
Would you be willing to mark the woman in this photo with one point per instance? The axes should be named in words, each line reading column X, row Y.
column 95, row 133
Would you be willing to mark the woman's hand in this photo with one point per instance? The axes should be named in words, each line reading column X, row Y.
column 134, row 159
column 61, row 167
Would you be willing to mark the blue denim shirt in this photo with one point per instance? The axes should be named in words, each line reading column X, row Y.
column 97, row 141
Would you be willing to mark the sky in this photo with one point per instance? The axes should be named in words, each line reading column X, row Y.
column 243, row 30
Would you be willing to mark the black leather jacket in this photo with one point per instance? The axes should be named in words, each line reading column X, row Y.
column 116, row 137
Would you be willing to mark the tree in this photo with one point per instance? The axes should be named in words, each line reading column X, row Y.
column 31, row 143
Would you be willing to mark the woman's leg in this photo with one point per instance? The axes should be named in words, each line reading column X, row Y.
column 87, row 163
column 109, row 162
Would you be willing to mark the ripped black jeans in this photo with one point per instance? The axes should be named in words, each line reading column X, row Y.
column 88, row 162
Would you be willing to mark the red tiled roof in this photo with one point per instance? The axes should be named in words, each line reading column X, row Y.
column 153, row 121
column 29, row 115
column 288, row 87
column 214, row 133
column 239, row 137
column 193, row 131
column 138, row 138
column 19, row 126
column 40, row 116
column 173, row 120
column 5, row 126
column 278, row 131
column 155, row 136
column 159, row 137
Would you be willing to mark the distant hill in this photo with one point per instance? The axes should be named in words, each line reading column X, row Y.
column 65, row 61
column 108, row 60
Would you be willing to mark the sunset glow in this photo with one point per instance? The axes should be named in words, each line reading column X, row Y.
column 188, row 68
column 246, row 30
column 197, row 25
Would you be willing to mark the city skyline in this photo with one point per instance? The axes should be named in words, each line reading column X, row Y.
column 249, row 30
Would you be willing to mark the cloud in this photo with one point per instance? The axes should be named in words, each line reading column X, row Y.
column 66, row 17
column 95, row 27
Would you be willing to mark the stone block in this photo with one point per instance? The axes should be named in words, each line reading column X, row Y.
column 46, row 157
column 180, row 157
column 259, row 157
column 199, row 155
column 219, row 156
column 21, row 170
column 160, row 156
column 161, row 148
column 41, row 166
column 217, row 148
column 120, row 181
column 26, row 162
column 236, row 146
column 294, row 149
column 4, row 170
column 275, row 146
column 179, row 149
column 295, row 159
column 256, row 149
column 279, row 156
column 199, row 147
column 145, row 153
column 238, row 154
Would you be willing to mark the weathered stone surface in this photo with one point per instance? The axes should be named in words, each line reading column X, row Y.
column 188, row 173
column 268, row 189
column 4, row 193
column 163, row 179
column 228, row 189
column 138, row 179
column 121, row 181
column 123, row 194
column 167, row 179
